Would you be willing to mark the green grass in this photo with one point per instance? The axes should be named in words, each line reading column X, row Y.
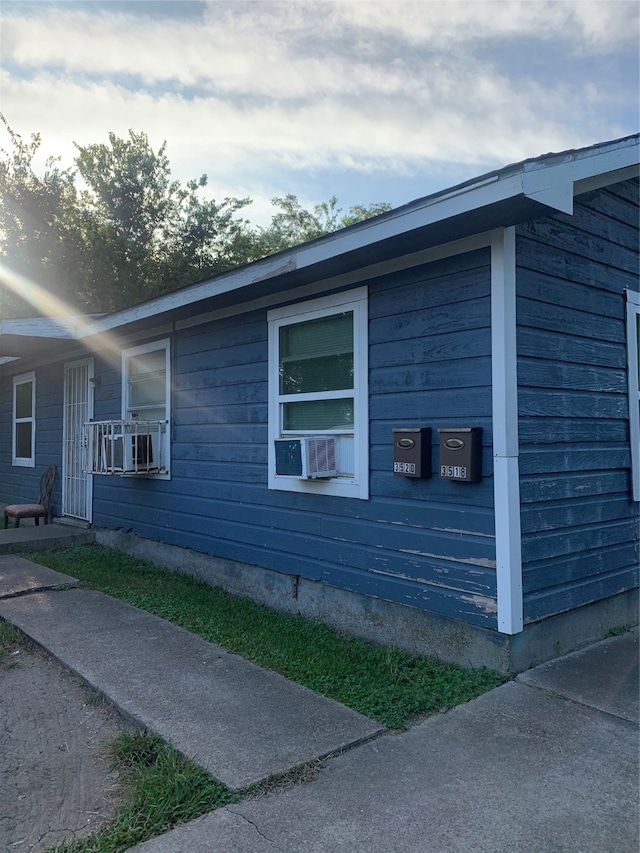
column 10, row 639
column 619, row 631
column 160, row 790
column 390, row 686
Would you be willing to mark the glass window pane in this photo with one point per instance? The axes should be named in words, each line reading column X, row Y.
column 334, row 373
column 148, row 413
column 317, row 355
column 23, row 441
column 148, row 362
column 147, row 392
column 147, row 384
column 319, row 415
column 24, row 400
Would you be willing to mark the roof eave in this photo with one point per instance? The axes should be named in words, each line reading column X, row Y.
column 517, row 193
column 514, row 194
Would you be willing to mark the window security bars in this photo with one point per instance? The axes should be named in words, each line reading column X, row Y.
column 125, row 448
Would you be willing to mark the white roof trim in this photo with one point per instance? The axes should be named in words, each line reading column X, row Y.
column 45, row 327
column 224, row 283
column 596, row 182
column 558, row 197
column 549, row 179
column 549, row 183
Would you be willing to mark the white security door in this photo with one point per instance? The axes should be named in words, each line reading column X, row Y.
column 78, row 409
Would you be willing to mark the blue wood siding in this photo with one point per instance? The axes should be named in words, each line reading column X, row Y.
column 18, row 484
column 579, row 524
column 427, row 543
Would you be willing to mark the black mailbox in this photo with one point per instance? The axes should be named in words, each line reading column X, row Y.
column 412, row 452
column 461, row 454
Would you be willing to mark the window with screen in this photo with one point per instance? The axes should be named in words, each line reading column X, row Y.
column 318, row 385
column 146, row 391
column 24, row 420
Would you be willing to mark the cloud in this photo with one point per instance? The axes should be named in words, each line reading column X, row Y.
column 363, row 87
column 487, row 121
column 288, row 50
column 595, row 26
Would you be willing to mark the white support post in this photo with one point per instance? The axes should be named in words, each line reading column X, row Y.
column 506, row 475
column 633, row 376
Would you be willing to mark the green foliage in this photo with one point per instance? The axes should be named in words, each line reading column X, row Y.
column 41, row 231
column 10, row 638
column 161, row 790
column 619, row 631
column 130, row 232
column 159, row 234
column 388, row 685
column 293, row 224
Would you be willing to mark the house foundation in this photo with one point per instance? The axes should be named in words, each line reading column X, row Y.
column 385, row 622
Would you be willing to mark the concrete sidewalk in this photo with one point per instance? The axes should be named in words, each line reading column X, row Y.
column 239, row 721
column 546, row 763
column 44, row 537
column 522, row 768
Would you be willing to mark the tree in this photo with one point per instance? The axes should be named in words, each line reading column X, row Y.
column 293, row 224
column 208, row 238
column 41, row 235
column 156, row 233
column 131, row 232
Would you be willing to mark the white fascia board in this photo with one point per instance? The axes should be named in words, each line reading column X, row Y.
column 433, row 210
column 315, row 288
column 580, row 165
column 597, row 182
column 224, row 283
column 558, row 197
column 551, row 182
column 43, row 327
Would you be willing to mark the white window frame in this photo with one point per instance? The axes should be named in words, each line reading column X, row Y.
column 356, row 301
column 142, row 349
column 24, row 461
column 633, row 319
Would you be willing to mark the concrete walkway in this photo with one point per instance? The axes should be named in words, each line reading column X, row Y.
column 44, row 537
column 522, row 768
column 548, row 762
column 239, row 721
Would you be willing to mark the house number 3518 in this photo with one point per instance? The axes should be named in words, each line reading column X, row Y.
column 458, row 471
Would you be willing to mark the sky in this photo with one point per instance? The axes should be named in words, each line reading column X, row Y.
column 367, row 100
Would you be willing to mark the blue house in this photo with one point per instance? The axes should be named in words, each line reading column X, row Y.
column 423, row 429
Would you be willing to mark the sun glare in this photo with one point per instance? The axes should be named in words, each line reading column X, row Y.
column 71, row 324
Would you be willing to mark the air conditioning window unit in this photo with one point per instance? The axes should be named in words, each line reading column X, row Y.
column 310, row 458
column 123, row 447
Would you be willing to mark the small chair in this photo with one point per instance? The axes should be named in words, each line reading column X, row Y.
column 35, row 511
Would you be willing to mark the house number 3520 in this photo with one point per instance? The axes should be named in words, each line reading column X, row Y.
column 404, row 467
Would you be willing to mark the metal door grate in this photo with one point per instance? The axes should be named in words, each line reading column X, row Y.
column 75, row 482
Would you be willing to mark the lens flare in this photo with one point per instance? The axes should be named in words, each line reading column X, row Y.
column 56, row 318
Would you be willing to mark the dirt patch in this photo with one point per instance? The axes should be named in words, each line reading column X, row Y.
column 55, row 782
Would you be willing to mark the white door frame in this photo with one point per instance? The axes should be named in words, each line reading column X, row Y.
column 77, row 487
